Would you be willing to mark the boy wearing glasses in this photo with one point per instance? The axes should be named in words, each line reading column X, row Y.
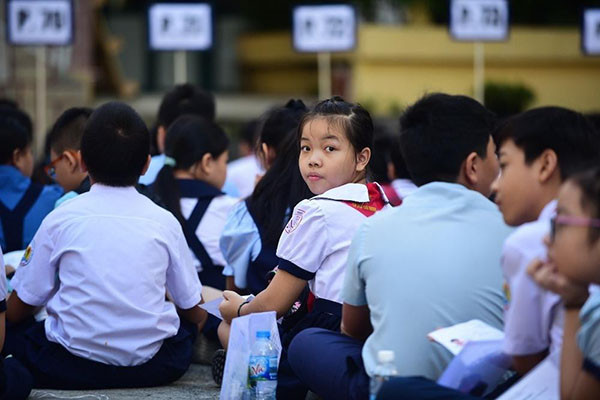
column 23, row 203
column 539, row 149
column 65, row 141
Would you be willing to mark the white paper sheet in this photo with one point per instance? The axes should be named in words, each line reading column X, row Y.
column 455, row 337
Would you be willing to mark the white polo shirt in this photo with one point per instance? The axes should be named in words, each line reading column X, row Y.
column 101, row 264
column 314, row 244
column 533, row 317
column 211, row 226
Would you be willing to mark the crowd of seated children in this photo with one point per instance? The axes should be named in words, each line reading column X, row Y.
column 121, row 277
column 23, row 203
column 432, row 262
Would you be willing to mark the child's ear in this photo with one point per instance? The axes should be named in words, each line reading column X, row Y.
column 72, row 161
column 469, row 169
column 362, row 159
column 548, row 165
column 206, row 163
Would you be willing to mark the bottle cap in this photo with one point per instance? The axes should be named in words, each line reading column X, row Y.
column 385, row 356
column 263, row 334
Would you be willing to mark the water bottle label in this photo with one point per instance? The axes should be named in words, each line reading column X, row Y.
column 262, row 368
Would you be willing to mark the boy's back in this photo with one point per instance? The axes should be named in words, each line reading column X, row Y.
column 439, row 253
column 114, row 252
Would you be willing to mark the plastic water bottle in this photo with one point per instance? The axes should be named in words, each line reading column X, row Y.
column 384, row 370
column 262, row 368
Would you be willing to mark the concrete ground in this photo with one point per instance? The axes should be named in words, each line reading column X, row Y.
column 197, row 383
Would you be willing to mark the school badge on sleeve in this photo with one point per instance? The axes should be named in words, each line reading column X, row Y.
column 294, row 221
column 27, row 256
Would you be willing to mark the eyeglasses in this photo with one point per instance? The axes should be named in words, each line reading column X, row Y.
column 571, row 221
column 50, row 169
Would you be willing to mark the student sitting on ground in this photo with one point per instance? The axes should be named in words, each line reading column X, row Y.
column 432, row 262
column 539, row 149
column 253, row 228
column 190, row 185
column 572, row 265
column 65, row 142
column 335, row 139
column 104, row 264
column 23, row 204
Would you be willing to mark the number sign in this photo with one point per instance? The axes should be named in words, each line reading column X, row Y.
column 39, row 22
column 324, row 28
column 479, row 20
column 590, row 31
column 180, row 26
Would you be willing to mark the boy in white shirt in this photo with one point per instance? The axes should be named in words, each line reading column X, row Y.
column 539, row 149
column 104, row 265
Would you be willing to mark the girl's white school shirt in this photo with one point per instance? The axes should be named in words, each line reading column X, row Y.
column 211, row 226
column 101, row 264
column 314, row 244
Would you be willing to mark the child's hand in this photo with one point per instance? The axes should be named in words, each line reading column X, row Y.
column 229, row 307
column 547, row 276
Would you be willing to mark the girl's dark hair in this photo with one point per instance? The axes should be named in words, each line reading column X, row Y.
column 351, row 118
column 282, row 187
column 278, row 192
column 188, row 139
column 277, row 122
column 589, row 183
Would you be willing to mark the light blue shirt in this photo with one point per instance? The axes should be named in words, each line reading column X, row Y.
column 433, row 262
column 156, row 164
column 13, row 185
column 588, row 337
column 240, row 243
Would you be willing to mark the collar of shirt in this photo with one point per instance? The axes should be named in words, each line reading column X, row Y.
column 437, row 194
column 99, row 188
column 548, row 211
column 356, row 192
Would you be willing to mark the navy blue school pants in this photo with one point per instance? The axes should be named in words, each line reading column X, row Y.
column 331, row 365
column 15, row 381
column 53, row 367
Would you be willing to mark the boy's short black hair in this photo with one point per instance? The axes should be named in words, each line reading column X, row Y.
column 568, row 133
column 185, row 99
column 67, row 131
column 439, row 131
column 15, row 132
column 398, row 159
column 115, row 145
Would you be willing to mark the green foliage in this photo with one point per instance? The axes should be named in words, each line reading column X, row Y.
column 506, row 99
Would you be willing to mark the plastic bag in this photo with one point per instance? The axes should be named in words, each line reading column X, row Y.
column 241, row 338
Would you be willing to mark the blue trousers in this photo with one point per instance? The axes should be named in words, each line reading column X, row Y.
column 329, row 364
column 411, row 388
column 15, row 381
column 53, row 367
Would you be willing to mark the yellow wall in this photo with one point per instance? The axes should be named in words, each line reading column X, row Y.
column 395, row 65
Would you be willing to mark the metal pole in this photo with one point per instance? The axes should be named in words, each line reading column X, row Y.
column 40, row 98
column 478, row 71
column 324, row 65
column 180, row 66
